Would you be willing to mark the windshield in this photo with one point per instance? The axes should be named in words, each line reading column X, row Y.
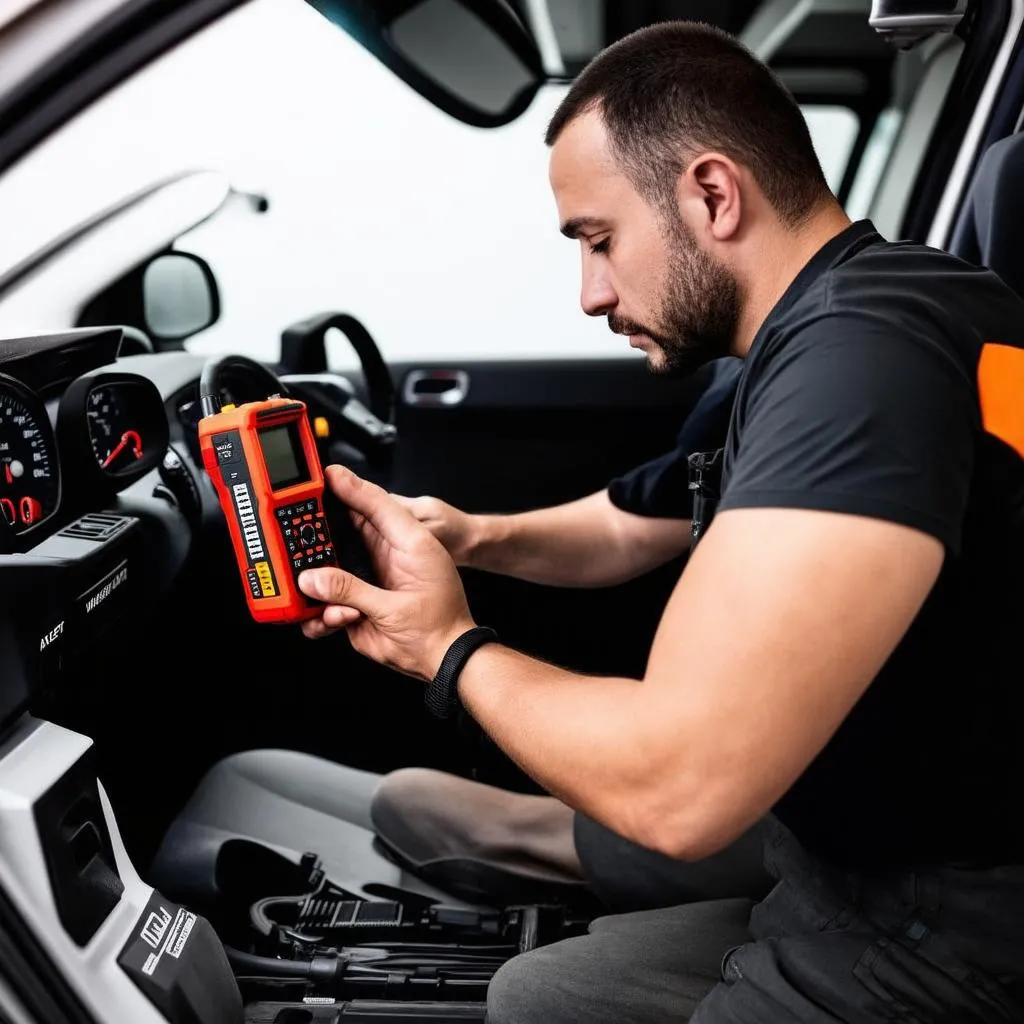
column 440, row 236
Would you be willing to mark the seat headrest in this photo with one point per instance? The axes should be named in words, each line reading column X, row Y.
column 988, row 232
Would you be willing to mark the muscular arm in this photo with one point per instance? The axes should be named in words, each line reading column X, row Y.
column 774, row 631
column 584, row 543
column 761, row 653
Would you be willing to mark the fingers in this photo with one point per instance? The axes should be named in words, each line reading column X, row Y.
column 337, row 587
column 314, row 629
column 337, row 616
column 390, row 518
column 333, row 619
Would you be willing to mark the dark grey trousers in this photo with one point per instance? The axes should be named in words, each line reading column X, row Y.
column 942, row 947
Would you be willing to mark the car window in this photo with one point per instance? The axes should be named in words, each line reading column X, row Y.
column 834, row 131
column 442, row 238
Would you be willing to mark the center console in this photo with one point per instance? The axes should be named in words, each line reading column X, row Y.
column 305, row 950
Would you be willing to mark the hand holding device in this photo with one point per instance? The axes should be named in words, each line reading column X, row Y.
column 419, row 609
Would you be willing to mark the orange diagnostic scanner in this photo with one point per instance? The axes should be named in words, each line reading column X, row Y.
column 264, row 465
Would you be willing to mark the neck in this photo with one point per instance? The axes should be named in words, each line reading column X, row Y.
column 783, row 253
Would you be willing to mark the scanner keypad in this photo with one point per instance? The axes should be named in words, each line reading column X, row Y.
column 306, row 536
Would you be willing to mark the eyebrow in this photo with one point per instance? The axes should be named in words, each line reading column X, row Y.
column 577, row 225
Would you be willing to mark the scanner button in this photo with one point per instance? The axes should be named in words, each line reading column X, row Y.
column 296, row 521
column 307, row 517
column 320, row 537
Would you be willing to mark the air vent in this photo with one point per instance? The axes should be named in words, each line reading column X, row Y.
column 98, row 526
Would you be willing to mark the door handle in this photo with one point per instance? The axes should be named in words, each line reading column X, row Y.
column 435, row 387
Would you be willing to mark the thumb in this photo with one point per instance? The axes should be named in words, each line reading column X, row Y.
column 335, row 586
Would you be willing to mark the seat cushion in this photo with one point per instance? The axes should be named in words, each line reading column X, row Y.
column 289, row 802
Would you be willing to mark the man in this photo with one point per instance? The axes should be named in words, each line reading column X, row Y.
column 837, row 656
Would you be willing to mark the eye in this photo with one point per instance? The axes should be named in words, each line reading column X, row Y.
column 602, row 246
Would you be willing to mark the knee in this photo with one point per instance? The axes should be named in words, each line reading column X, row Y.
column 399, row 795
column 523, row 991
column 405, row 787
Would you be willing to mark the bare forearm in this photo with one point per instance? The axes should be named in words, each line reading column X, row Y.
column 585, row 543
column 580, row 737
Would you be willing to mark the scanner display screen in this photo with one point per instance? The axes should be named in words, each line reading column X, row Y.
column 283, row 455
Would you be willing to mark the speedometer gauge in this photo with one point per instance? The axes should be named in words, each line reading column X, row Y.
column 29, row 475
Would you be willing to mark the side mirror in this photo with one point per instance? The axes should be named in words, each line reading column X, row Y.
column 475, row 59
column 179, row 296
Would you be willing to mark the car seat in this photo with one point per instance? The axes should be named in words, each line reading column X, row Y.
column 987, row 230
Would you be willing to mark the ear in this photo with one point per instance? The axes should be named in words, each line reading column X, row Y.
column 710, row 196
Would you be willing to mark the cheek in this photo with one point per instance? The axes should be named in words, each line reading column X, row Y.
column 639, row 271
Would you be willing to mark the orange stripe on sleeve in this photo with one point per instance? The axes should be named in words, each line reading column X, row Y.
column 1001, row 393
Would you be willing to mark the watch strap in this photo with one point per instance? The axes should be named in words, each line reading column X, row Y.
column 442, row 694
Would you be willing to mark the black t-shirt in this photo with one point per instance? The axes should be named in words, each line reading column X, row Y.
column 882, row 384
column 659, row 488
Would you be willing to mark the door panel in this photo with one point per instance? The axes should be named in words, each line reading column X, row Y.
column 530, row 434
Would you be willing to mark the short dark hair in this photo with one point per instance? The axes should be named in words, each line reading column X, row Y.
column 679, row 88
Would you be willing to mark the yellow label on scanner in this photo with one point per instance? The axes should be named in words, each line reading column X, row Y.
column 266, row 579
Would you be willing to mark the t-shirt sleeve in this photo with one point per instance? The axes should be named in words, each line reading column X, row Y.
column 861, row 417
column 660, row 488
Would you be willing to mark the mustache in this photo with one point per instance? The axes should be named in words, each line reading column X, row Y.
column 622, row 325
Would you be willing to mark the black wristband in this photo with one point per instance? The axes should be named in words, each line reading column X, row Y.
column 442, row 694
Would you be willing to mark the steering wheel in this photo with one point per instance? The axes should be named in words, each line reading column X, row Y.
column 327, row 394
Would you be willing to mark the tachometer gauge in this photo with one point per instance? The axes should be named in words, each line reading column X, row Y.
column 29, row 474
column 116, row 441
column 112, row 428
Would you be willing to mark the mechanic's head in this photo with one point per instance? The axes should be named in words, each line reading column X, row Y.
column 677, row 159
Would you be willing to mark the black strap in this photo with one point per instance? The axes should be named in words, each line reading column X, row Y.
column 442, row 695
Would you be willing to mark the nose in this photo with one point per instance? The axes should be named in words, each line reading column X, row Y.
column 598, row 296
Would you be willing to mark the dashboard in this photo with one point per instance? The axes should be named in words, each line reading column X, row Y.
column 103, row 498
column 105, row 506
column 110, row 429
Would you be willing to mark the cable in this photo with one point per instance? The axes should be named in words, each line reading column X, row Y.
column 210, row 380
column 320, row 968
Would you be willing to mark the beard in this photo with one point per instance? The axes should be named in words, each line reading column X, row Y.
column 699, row 311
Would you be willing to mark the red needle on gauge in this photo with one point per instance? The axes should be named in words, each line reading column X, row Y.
column 7, row 473
column 129, row 437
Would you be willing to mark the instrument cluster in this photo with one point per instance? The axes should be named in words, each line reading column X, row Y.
column 105, row 431
column 29, row 466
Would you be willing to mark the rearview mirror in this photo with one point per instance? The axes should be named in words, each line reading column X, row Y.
column 179, row 296
column 475, row 59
